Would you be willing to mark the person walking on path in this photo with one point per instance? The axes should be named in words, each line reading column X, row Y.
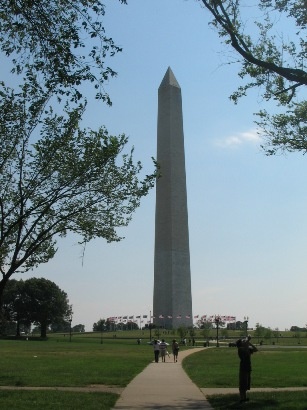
column 245, row 350
column 175, row 349
column 156, row 347
column 163, row 347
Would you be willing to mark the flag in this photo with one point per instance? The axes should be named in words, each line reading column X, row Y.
column 170, row 317
column 144, row 316
column 125, row 317
column 161, row 317
column 188, row 317
column 196, row 317
column 179, row 317
column 138, row 317
column 131, row 317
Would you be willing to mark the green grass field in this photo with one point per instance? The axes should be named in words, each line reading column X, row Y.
column 103, row 359
column 52, row 363
column 272, row 367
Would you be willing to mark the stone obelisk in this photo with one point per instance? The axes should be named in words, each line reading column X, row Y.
column 172, row 301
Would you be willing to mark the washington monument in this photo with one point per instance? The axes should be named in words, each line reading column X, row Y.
column 172, row 301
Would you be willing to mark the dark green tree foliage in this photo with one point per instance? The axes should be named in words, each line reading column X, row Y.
column 35, row 301
column 13, row 307
column 273, row 59
column 100, row 326
column 60, row 326
column 44, row 303
column 78, row 328
column 55, row 176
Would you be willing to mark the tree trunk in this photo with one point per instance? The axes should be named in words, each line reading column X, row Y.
column 43, row 330
column 18, row 329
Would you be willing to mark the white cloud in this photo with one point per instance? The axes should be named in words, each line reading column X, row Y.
column 251, row 136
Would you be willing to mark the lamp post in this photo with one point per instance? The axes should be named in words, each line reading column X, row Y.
column 101, row 330
column 246, row 325
column 70, row 320
column 217, row 321
column 150, row 326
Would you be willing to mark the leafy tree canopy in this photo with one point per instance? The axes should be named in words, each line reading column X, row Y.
column 44, row 303
column 64, row 41
column 55, row 176
column 100, row 326
column 273, row 54
column 37, row 301
column 70, row 179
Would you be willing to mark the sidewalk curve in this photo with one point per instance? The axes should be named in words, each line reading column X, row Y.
column 163, row 386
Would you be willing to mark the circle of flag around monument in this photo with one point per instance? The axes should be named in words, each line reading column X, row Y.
column 199, row 318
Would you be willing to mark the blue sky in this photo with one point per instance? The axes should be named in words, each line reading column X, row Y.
column 247, row 212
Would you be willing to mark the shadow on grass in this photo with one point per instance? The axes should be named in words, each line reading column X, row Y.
column 232, row 401
column 274, row 400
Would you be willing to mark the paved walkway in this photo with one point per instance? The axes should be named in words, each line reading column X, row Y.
column 163, row 386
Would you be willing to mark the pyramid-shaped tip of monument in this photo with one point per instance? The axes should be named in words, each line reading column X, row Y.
column 169, row 79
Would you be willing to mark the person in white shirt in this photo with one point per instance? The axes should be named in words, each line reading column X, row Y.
column 163, row 347
column 156, row 346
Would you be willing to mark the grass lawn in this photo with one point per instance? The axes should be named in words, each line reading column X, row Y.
column 58, row 362
column 56, row 400
column 86, row 361
column 52, row 363
column 219, row 367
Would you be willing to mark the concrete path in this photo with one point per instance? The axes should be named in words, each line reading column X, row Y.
column 163, row 386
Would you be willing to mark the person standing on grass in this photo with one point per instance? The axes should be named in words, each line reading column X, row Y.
column 175, row 349
column 156, row 347
column 163, row 347
column 245, row 350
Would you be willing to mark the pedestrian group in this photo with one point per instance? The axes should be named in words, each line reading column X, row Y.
column 160, row 350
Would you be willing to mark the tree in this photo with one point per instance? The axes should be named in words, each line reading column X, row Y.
column 78, row 328
column 56, row 177
column 45, row 303
column 13, row 307
column 259, row 331
column 99, row 326
column 272, row 60
column 182, row 331
column 69, row 180
column 60, row 326
column 37, row 301
column 47, row 37
column 206, row 327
